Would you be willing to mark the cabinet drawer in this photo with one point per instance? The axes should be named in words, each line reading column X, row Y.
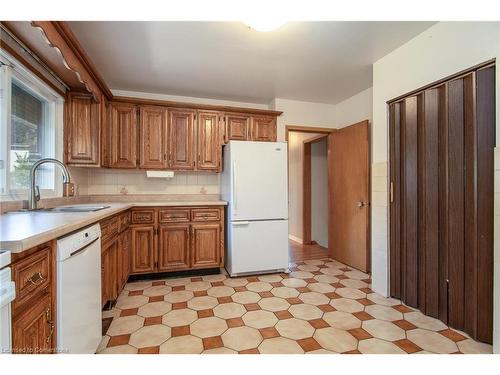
column 31, row 275
column 143, row 216
column 124, row 221
column 109, row 229
column 205, row 214
column 175, row 215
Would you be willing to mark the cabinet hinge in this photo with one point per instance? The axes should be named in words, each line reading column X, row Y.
column 391, row 192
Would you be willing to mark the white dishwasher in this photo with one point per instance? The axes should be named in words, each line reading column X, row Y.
column 79, row 322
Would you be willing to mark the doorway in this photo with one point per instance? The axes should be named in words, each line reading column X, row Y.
column 315, row 191
column 328, row 185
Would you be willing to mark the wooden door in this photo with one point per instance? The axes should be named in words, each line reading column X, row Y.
column 209, row 142
column 237, row 127
column 123, row 135
column 125, row 256
column 349, row 159
column 104, row 275
column 82, row 130
column 110, row 272
column 441, row 214
column 181, row 139
column 173, row 247
column 206, row 245
column 143, row 249
column 153, row 137
column 32, row 330
column 263, row 129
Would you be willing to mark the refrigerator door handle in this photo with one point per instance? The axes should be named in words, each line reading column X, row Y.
column 235, row 192
column 240, row 223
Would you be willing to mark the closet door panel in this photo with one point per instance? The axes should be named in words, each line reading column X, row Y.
column 470, row 205
column 485, row 98
column 395, row 222
column 410, row 196
column 443, row 203
column 456, row 203
column 429, row 223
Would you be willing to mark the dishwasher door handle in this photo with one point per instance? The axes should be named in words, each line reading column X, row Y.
column 81, row 250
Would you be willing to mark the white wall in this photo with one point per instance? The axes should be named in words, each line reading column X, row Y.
column 319, row 192
column 303, row 114
column 442, row 50
column 354, row 109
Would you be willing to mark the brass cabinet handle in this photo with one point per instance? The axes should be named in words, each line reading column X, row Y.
column 36, row 279
column 51, row 325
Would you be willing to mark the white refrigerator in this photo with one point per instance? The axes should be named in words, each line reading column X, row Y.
column 255, row 185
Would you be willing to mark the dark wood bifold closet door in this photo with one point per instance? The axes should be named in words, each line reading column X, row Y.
column 441, row 228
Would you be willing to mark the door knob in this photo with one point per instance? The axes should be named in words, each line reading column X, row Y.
column 360, row 204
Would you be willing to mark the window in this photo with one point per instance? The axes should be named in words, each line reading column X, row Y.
column 31, row 119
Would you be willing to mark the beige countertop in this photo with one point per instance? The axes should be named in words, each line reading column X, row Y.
column 20, row 231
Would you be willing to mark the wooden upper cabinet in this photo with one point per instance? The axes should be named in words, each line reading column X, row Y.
column 122, row 135
column 209, row 142
column 153, row 137
column 82, row 130
column 181, row 135
column 173, row 247
column 237, row 127
column 263, row 129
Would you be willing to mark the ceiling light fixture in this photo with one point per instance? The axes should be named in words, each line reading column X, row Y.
column 264, row 25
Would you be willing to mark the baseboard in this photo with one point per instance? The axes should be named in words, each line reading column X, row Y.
column 294, row 238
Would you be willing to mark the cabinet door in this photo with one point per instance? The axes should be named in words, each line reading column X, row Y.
column 104, row 277
column 209, row 143
column 124, row 260
column 173, row 247
column 32, row 330
column 153, row 137
column 237, row 127
column 122, row 135
column 263, row 129
column 110, row 271
column 206, row 245
column 143, row 249
column 181, row 139
column 82, row 130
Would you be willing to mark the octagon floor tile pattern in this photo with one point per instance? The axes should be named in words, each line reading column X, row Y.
column 321, row 307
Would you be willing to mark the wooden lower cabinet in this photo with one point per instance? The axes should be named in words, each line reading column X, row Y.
column 206, row 245
column 173, row 247
column 33, row 310
column 109, row 286
column 182, row 238
column 124, row 254
column 143, row 249
column 33, row 330
column 115, row 258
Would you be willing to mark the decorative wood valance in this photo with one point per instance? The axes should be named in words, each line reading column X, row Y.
column 58, row 36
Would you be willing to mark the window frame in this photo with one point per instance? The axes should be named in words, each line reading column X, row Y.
column 52, row 146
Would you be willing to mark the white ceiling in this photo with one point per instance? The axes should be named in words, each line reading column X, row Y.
column 324, row 62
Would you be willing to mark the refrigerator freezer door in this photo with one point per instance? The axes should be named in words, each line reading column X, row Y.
column 259, row 181
column 257, row 247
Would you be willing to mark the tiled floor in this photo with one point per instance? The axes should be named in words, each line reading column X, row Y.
column 322, row 306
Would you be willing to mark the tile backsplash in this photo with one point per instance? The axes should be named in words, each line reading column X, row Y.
column 114, row 181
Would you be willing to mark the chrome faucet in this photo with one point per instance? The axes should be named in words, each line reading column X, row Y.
column 34, row 192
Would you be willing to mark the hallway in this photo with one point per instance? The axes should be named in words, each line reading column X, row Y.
column 299, row 252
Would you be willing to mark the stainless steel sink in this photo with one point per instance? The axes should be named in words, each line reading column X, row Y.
column 78, row 208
